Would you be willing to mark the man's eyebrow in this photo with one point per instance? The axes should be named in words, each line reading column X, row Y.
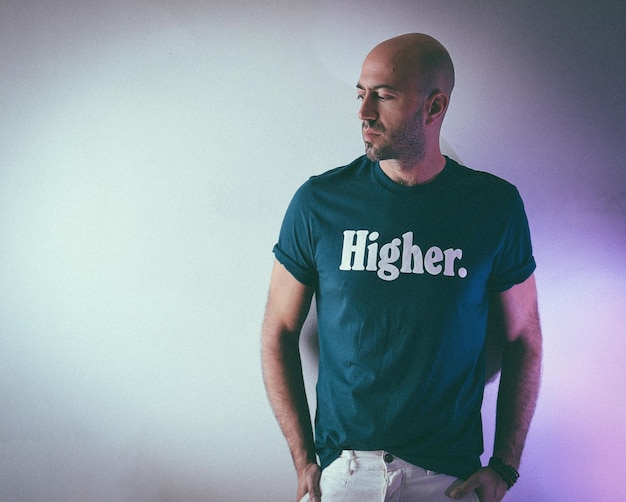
column 377, row 87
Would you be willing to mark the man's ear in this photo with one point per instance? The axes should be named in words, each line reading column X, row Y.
column 438, row 104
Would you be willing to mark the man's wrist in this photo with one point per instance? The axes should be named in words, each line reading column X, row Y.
column 507, row 472
column 303, row 461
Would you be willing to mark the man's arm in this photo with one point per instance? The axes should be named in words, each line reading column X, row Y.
column 521, row 371
column 287, row 307
column 519, row 387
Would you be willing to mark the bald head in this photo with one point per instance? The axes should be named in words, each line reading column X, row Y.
column 404, row 88
column 416, row 56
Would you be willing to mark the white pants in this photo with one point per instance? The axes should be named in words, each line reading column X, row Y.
column 376, row 476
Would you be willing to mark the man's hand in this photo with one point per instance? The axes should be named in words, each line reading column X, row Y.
column 309, row 482
column 489, row 486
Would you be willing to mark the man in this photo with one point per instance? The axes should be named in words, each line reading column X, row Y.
column 404, row 250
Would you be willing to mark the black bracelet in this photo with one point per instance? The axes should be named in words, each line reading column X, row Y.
column 505, row 471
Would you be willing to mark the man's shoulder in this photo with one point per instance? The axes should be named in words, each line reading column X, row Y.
column 357, row 168
column 482, row 180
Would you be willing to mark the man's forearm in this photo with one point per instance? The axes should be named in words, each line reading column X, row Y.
column 284, row 383
column 517, row 397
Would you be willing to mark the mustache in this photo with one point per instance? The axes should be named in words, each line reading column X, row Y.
column 373, row 126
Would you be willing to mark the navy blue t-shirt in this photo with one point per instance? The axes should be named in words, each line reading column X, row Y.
column 402, row 277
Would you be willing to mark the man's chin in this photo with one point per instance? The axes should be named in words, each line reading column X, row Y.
column 371, row 152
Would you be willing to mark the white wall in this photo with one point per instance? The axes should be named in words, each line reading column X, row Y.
column 148, row 150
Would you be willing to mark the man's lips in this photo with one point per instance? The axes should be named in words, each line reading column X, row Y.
column 369, row 133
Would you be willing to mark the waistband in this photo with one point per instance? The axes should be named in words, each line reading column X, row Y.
column 379, row 459
column 362, row 454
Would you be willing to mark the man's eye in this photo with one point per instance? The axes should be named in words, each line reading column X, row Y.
column 360, row 96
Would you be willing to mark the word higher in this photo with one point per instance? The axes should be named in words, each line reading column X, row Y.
column 400, row 256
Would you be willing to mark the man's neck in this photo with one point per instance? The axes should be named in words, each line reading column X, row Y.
column 414, row 173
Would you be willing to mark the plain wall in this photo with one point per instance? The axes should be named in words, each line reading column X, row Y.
column 148, row 150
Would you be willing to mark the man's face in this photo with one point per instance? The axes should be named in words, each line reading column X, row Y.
column 391, row 112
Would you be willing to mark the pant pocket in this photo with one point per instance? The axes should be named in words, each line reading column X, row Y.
column 333, row 478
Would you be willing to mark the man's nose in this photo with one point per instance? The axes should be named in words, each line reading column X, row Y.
column 367, row 111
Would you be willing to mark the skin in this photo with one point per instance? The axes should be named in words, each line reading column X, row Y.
column 405, row 86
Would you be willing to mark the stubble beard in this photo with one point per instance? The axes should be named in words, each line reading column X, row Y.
column 407, row 143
